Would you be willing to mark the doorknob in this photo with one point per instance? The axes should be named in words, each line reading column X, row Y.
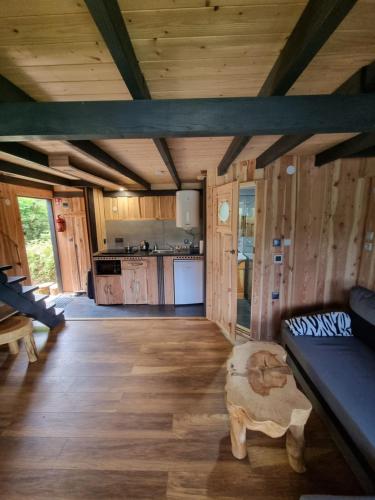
column 231, row 251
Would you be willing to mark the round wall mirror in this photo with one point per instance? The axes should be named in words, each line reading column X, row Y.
column 224, row 211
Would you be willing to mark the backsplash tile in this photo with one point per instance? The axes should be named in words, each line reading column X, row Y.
column 160, row 232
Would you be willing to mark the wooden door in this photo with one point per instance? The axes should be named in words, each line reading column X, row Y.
column 225, row 204
column 134, row 282
column 82, row 250
column 73, row 244
column 108, row 290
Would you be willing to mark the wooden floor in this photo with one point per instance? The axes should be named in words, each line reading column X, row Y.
column 128, row 409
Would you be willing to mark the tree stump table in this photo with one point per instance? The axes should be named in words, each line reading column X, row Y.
column 15, row 328
column 262, row 396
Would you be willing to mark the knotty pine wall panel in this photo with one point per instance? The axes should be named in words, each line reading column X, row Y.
column 327, row 213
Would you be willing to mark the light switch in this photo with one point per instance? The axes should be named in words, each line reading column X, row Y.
column 278, row 258
column 370, row 235
column 368, row 247
column 287, row 243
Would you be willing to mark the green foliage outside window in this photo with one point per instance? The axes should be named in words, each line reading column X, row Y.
column 34, row 216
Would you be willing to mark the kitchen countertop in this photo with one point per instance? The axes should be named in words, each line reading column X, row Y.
column 141, row 253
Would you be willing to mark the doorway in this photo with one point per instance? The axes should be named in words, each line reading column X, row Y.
column 40, row 241
column 245, row 255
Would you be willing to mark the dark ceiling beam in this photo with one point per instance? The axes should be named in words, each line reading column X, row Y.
column 110, row 22
column 362, row 81
column 37, row 175
column 91, row 149
column 347, row 148
column 24, row 153
column 11, row 93
column 41, row 176
column 316, row 24
column 285, row 115
column 162, row 147
column 366, row 153
column 17, row 181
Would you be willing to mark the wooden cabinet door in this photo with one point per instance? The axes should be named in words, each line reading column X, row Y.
column 108, row 290
column 167, row 207
column 135, row 285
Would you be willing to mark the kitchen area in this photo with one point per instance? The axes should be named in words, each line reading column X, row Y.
column 153, row 258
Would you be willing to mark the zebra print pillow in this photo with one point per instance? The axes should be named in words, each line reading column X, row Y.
column 321, row 325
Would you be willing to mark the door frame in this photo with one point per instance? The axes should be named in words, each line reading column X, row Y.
column 56, row 257
column 247, row 184
column 52, row 230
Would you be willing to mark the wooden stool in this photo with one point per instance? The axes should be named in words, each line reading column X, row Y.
column 15, row 328
column 262, row 396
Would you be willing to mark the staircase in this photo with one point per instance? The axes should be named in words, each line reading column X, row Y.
column 22, row 299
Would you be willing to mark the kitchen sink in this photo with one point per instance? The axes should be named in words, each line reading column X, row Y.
column 163, row 252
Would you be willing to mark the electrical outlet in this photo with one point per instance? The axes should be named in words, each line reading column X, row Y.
column 370, row 235
column 368, row 247
column 278, row 258
column 275, row 295
column 276, row 243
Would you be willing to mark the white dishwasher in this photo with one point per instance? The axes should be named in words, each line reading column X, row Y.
column 188, row 281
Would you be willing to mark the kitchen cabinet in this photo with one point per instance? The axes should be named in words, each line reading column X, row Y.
column 134, row 282
column 108, row 290
column 140, row 208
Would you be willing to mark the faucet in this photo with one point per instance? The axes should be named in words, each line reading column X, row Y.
column 155, row 246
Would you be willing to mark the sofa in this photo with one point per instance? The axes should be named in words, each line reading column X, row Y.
column 332, row 355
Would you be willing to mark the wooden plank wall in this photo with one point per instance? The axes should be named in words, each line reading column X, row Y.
column 12, row 242
column 326, row 212
column 100, row 219
column 73, row 244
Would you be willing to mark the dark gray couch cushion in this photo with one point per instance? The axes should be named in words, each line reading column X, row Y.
column 343, row 371
column 333, row 497
column 362, row 302
column 362, row 305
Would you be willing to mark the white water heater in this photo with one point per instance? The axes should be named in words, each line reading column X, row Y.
column 187, row 209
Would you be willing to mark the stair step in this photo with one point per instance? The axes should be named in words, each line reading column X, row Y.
column 29, row 288
column 38, row 297
column 12, row 280
column 6, row 312
column 59, row 310
column 5, row 267
column 50, row 305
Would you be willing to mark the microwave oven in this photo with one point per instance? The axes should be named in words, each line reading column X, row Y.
column 108, row 267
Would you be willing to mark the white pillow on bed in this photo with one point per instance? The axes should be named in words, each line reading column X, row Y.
column 321, row 325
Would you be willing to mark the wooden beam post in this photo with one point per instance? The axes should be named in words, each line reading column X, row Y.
column 11, row 93
column 362, row 81
column 110, row 22
column 241, row 116
column 350, row 147
column 316, row 24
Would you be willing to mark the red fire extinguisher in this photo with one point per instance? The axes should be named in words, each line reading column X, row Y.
column 60, row 224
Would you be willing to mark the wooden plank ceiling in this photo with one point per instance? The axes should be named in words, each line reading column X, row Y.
column 186, row 48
